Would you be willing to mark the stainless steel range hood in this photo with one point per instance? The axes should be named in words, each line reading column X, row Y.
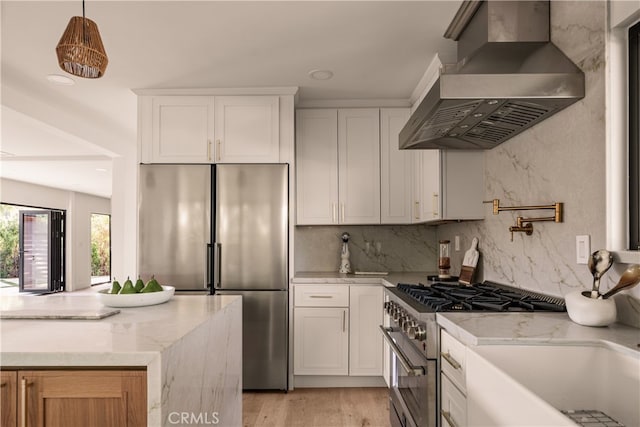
column 508, row 77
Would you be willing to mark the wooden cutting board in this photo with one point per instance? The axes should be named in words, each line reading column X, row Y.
column 469, row 263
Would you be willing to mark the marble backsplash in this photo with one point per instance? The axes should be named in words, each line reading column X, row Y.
column 371, row 248
column 559, row 160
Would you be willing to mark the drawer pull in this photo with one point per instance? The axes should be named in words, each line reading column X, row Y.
column 453, row 362
column 23, row 399
column 321, row 296
column 447, row 416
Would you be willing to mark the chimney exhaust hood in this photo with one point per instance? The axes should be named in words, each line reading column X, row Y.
column 509, row 77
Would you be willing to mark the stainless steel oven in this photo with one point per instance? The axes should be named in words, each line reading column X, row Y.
column 413, row 381
column 413, row 338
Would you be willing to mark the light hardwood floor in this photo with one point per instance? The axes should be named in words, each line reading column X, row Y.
column 309, row 407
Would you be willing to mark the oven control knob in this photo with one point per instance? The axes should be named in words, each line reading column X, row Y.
column 389, row 306
column 410, row 323
column 417, row 332
column 404, row 320
column 398, row 312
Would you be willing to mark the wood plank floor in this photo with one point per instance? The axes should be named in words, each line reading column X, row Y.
column 317, row 407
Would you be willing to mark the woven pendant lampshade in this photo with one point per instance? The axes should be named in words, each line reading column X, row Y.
column 80, row 50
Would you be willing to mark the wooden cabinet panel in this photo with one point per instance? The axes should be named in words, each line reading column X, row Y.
column 82, row 398
column 8, row 399
column 247, row 129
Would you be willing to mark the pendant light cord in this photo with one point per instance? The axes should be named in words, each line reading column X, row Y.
column 84, row 24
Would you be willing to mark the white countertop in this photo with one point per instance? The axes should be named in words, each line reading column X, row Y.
column 392, row 278
column 537, row 328
column 132, row 337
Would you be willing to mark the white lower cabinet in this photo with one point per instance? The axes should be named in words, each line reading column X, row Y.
column 336, row 330
column 453, row 391
column 453, row 411
column 365, row 339
column 321, row 341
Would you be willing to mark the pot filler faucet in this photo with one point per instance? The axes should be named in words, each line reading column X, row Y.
column 524, row 225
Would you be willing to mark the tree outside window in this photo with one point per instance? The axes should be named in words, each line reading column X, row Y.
column 100, row 248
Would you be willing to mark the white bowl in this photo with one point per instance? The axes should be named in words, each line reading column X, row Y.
column 137, row 299
column 588, row 311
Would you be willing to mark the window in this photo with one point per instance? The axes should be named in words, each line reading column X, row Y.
column 100, row 249
column 634, row 137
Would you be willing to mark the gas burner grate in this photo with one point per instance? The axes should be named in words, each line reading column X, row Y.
column 482, row 297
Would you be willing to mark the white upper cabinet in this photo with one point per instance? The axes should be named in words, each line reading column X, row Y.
column 338, row 166
column 317, row 166
column 359, row 165
column 209, row 129
column 246, row 129
column 449, row 185
column 396, row 169
column 182, row 129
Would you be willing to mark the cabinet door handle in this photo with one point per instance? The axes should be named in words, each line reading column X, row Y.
column 453, row 362
column 23, row 402
column 333, row 213
column 344, row 320
column 435, row 204
column 447, row 416
column 218, row 150
column 209, row 149
column 416, row 210
column 320, row 296
column 342, row 213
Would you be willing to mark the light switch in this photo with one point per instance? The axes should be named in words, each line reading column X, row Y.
column 456, row 243
column 583, row 249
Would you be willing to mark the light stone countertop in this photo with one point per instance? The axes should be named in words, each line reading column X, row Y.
column 329, row 277
column 189, row 332
column 474, row 329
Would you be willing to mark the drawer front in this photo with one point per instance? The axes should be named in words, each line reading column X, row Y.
column 453, row 412
column 452, row 359
column 321, row 296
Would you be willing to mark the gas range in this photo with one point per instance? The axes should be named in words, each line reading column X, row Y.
column 413, row 307
column 413, row 337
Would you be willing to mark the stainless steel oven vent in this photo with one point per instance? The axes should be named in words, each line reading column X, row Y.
column 508, row 77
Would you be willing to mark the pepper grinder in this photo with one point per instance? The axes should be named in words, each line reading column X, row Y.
column 345, row 264
column 444, row 262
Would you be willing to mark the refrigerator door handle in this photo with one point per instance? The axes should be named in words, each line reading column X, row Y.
column 207, row 273
column 217, row 267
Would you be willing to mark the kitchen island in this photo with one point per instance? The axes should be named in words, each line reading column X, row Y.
column 189, row 347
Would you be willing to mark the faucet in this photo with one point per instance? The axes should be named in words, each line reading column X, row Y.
column 520, row 227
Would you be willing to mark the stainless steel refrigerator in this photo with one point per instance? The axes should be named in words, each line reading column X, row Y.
column 223, row 229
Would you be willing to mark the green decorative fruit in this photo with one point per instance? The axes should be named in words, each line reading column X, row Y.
column 139, row 285
column 115, row 287
column 128, row 288
column 152, row 286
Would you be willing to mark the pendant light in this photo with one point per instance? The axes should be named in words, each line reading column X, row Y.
column 80, row 50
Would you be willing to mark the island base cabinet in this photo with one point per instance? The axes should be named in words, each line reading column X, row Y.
column 79, row 398
column 8, row 399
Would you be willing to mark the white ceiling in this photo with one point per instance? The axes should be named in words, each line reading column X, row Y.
column 376, row 50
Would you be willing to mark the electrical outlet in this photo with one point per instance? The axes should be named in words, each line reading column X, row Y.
column 583, row 249
column 456, row 243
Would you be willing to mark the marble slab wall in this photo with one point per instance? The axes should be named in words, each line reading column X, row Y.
column 559, row 160
column 371, row 248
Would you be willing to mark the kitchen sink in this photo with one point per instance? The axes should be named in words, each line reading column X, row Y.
column 573, row 377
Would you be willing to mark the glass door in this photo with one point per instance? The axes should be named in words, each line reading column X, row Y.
column 41, row 237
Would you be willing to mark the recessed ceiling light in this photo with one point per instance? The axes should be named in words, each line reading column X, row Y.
column 60, row 80
column 321, row 74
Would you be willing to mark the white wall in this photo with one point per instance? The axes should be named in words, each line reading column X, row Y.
column 78, row 207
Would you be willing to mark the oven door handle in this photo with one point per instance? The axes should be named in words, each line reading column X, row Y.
column 411, row 370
